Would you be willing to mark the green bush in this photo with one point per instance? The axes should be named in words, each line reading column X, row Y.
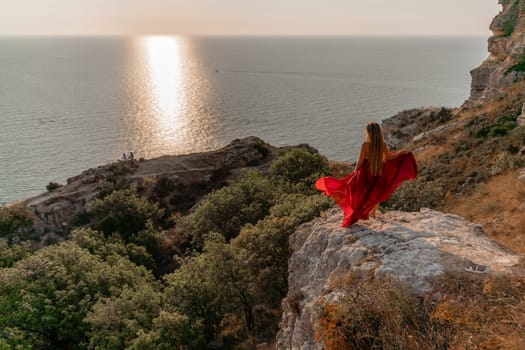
column 116, row 321
column 298, row 166
column 53, row 186
column 518, row 67
column 210, row 285
column 226, row 210
column 500, row 128
column 417, row 194
column 106, row 246
column 9, row 254
column 300, row 207
column 124, row 212
column 171, row 330
column 48, row 294
column 14, row 220
column 267, row 253
column 14, row 339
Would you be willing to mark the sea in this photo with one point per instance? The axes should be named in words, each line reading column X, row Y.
column 71, row 103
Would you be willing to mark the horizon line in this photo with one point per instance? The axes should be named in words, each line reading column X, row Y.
column 238, row 35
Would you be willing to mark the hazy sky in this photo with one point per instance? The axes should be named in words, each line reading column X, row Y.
column 374, row 17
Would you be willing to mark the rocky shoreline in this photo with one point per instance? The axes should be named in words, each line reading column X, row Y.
column 186, row 177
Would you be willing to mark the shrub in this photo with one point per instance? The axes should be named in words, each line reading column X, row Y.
column 116, row 178
column 48, row 294
column 226, row 210
column 518, row 67
column 417, row 194
column 500, row 128
column 300, row 207
column 267, row 254
column 210, row 285
column 116, row 321
column 14, row 220
column 298, row 166
column 163, row 186
column 124, row 212
column 121, row 168
column 9, row 254
column 171, row 330
column 505, row 161
column 375, row 313
column 482, row 312
column 53, row 186
column 106, row 246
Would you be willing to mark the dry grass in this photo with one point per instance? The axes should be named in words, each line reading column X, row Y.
column 478, row 171
column 482, row 312
column 376, row 313
column 465, row 312
column 499, row 205
column 430, row 153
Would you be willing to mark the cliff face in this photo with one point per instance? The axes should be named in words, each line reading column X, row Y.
column 413, row 247
column 506, row 63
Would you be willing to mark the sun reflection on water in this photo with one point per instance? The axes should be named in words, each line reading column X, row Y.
column 168, row 109
column 164, row 61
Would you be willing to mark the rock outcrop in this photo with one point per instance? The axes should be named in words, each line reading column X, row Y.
column 413, row 247
column 506, row 63
column 188, row 178
column 415, row 123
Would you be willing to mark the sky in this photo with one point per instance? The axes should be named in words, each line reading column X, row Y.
column 247, row 17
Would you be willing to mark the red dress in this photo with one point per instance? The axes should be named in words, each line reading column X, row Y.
column 359, row 192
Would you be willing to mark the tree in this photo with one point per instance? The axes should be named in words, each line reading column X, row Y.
column 47, row 295
column 9, row 254
column 98, row 244
column 171, row 330
column 226, row 210
column 299, row 169
column 124, row 212
column 116, row 321
column 211, row 285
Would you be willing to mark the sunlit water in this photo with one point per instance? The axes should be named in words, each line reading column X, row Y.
column 67, row 104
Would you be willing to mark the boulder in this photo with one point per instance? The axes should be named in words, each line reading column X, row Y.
column 412, row 247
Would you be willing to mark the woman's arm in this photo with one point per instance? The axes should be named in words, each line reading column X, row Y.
column 362, row 155
column 395, row 154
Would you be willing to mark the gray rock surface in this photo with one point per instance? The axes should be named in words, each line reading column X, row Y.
column 521, row 118
column 413, row 247
column 418, row 122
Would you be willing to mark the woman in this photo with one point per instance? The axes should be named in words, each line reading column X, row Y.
column 377, row 174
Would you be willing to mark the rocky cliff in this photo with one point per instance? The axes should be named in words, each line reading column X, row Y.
column 182, row 179
column 415, row 248
column 506, row 63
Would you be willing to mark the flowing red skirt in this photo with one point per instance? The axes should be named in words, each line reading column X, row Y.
column 359, row 192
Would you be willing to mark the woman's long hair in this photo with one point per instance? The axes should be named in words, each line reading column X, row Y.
column 377, row 147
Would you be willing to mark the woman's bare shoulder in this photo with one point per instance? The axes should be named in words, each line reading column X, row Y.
column 365, row 149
